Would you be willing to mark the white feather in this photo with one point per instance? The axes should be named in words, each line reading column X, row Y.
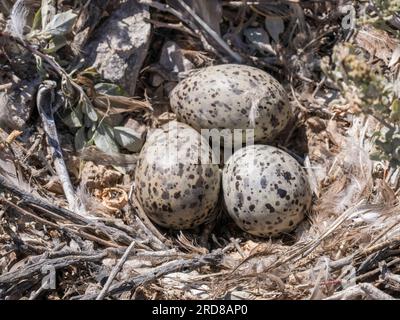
column 17, row 21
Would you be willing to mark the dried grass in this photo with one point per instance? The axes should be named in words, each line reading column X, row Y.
column 347, row 248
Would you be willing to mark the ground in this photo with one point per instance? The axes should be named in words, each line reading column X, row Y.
column 113, row 67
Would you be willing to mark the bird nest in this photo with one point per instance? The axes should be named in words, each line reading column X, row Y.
column 347, row 247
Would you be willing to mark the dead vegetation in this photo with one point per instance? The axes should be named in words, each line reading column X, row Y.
column 112, row 66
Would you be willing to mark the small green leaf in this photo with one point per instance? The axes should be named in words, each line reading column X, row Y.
column 90, row 73
column 90, row 133
column 37, row 19
column 87, row 123
column 128, row 138
column 80, row 138
column 109, row 89
column 104, row 139
column 395, row 108
column 73, row 119
column 88, row 109
column 56, row 43
column 375, row 156
column 61, row 23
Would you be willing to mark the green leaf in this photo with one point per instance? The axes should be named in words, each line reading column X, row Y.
column 87, row 123
column 110, row 89
column 80, row 138
column 375, row 156
column 90, row 73
column 56, row 43
column 74, row 118
column 61, row 23
column 90, row 133
column 104, row 139
column 395, row 108
column 37, row 19
column 128, row 138
column 88, row 109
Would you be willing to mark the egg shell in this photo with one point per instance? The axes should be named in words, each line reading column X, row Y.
column 177, row 188
column 266, row 191
column 232, row 96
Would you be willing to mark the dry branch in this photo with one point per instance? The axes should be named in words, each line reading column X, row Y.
column 213, row 258
column 115, row 271
column 112, row 232
column 45, row 104
column 61, row 261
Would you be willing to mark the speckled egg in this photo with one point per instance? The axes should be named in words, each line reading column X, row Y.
column 176, row 182
column 266, row 191
column 232, row 96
